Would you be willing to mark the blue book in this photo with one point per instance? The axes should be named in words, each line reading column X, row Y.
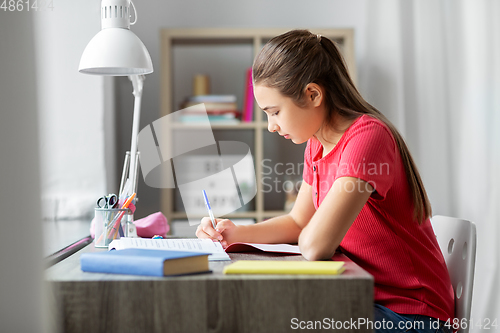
column 145, row 262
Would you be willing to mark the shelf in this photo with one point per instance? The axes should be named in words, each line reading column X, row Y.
column 242, row 125
column 241, row 215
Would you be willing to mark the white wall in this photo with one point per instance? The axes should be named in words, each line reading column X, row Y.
column 72, row 111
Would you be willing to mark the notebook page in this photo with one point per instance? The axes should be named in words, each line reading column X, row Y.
column 280, row 248
column 179, row 244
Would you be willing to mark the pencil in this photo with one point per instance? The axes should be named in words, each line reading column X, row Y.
column 119, row 217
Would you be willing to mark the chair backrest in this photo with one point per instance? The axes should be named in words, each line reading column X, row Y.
column 457, row 240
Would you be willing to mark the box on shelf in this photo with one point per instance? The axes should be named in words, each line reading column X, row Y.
column 218, row 108
column 211, row 173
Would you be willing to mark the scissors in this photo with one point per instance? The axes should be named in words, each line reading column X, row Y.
column 108, row 201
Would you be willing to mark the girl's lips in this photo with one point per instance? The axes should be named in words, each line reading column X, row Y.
column 286, row 136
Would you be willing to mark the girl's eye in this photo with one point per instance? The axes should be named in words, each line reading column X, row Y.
column 276, row 113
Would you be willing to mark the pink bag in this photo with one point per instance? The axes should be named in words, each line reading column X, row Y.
column 151, row 225
column 147, row 227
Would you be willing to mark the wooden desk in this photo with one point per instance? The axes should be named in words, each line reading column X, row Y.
column 94, row 302
column 63, row 238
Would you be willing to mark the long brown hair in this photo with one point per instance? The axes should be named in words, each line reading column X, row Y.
column 289, row 62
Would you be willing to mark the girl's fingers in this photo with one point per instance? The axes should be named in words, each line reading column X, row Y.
column 206, row 230
column 209, row 230
column 200, row 232
column 221, row 225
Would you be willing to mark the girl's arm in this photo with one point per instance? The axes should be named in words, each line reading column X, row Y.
column 322, row 235
column 281, row 229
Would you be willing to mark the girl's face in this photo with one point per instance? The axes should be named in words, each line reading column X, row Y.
column 285, row 117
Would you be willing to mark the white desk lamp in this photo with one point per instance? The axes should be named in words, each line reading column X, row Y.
column 117, row 51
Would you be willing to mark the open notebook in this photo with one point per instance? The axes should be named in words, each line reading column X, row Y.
column 200, row 245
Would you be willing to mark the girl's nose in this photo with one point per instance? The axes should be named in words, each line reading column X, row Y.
column 272, row 126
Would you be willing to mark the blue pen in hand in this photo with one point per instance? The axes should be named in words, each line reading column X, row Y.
column 207, row 203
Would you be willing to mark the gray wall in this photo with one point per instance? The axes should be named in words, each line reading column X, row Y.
column 21, row 294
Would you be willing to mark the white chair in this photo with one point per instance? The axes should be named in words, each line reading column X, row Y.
column 457, row 240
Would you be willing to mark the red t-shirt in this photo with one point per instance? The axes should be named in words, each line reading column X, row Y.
column 404, row 257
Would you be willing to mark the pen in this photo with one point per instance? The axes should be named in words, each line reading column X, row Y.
column 207, row 203
column 119, row 217
column 116, row 220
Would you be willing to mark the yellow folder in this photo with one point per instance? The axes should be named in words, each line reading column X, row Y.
column 284, row 267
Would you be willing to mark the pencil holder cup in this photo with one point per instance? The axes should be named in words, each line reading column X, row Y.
column 110, row 224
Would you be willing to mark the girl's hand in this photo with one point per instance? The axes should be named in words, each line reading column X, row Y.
column 225, row 231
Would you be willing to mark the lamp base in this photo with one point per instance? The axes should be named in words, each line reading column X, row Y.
column 130, row 229
column 125, row 181
column 126, row 189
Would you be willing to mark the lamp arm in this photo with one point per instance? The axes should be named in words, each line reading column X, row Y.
column 137, row 83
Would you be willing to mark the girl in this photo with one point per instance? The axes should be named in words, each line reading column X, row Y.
column 362, row 193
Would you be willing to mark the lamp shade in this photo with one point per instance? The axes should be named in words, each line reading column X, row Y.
column 115, row 52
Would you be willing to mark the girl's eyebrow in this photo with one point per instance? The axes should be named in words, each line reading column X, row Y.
column 268, row 107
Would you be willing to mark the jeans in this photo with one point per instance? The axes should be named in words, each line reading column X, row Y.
column 386, row 320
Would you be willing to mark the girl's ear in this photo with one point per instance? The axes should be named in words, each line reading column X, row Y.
column 314, row 94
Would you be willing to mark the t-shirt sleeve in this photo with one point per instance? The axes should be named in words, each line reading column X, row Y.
column 369, row 153
column 307, row 174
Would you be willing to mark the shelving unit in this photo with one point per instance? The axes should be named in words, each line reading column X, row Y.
column 244, row 45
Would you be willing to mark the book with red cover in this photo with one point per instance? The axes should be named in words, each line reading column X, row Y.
column 248, row 100
column 201, row 245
